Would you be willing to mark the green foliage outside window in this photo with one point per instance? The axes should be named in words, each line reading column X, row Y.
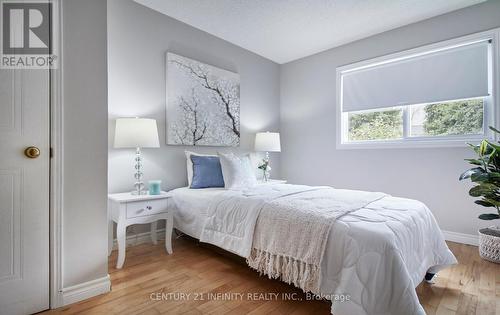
column 454, row 118
column 439, row 119
column 376, row 125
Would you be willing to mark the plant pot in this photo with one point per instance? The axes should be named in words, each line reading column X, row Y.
column 489, row 244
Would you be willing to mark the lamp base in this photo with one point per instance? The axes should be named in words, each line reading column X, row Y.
column 267, row 171
column 139, row 184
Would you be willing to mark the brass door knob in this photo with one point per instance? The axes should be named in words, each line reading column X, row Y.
column 32, row 152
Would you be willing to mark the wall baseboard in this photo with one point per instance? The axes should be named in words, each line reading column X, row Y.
column 468, row 239
column 141, row 238
column 86, row 290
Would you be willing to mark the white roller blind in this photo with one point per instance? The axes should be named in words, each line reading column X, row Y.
column 455, row 73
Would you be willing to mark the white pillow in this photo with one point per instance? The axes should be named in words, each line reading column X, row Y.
column 255, row 160
column 237, row 171
column 189, row 164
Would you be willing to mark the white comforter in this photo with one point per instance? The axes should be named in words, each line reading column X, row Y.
column 232, row 216
column 374, row 257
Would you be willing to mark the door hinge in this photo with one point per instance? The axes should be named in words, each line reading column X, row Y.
column 51, row 153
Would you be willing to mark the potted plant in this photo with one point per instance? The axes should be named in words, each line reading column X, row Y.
column 485, row 175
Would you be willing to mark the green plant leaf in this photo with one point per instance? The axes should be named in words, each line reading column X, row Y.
column 494, row 160
column 494, row 129
column 474, row 161
column 482, row 189
column 489, row 216
column 479, row 177
column 492, row 200
column 483, row 177
column 474, row 147
column 484, row 203
column 494, row 145
column 486, row 175
column 468, row 173
column 494, row 176
column 483, row 148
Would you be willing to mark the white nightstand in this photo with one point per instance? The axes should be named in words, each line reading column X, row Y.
column 126, row 209
column 273, row 181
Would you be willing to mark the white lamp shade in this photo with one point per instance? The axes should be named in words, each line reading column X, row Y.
column 136, row 133
column 267, row 142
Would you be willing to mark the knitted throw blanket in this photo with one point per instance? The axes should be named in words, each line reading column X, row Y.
column 291, row 233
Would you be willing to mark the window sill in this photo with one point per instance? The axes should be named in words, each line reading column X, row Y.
column 409, row 144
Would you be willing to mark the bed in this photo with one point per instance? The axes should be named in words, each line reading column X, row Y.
column 376, row 250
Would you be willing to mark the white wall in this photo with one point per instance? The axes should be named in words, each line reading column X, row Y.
column 85, row 148
column 307, row 126
column 138, row 39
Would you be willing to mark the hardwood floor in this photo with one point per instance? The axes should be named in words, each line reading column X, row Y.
column 149, row 275
column 471, row 287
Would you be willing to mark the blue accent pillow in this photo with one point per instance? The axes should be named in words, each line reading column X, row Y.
column 207, row 172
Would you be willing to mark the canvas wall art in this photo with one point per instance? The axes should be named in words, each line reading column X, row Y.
column 203, row 104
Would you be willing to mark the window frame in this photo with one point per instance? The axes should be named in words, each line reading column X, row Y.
column 490, row 112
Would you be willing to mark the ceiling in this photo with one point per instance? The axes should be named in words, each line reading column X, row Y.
column 286, row 30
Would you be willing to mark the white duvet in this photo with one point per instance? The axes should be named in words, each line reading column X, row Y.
column 374, row 257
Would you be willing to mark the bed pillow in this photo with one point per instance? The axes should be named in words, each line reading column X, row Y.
column 189, row 164
column 207, row 172
column 255, row 160
column 237, row 171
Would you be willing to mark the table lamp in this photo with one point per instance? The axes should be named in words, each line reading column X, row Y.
column 267, row 142
column 136, row 133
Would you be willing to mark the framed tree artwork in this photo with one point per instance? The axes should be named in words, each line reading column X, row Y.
column 203, row 104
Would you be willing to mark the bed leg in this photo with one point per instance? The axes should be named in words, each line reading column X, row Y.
column 178, row 234
column 429, row 277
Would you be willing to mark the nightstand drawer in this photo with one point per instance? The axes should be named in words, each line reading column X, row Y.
column 145, row 208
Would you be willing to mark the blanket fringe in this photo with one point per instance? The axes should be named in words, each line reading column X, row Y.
column 301, row 274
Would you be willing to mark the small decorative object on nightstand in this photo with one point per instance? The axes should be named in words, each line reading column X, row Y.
column 127, row 209
column 267, row 142
column 155, row 187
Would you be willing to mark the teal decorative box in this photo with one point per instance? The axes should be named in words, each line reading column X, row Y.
column 154, row 187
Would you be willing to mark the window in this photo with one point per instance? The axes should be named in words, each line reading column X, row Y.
column 382, row 124
column 456, row 118
column 436, row 95
column 447, row 119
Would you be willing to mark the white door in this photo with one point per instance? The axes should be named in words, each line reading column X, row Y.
column 24, row 191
